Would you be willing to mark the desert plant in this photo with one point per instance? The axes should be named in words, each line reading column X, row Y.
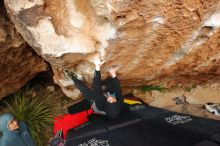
column 190, row 88
column 35, row 112
column 147, row 88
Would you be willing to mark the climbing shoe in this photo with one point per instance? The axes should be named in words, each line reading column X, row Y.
column 69, row 74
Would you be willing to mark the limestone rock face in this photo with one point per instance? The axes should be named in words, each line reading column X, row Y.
column 18, row 62
column 160, row 42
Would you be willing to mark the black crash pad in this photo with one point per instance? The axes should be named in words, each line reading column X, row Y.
column 142, row 125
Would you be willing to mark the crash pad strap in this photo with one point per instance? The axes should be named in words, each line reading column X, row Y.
column 124, row 124
column 95, row 132
column 104, row 130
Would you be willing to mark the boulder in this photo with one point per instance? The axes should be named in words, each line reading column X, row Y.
column 158, row 42
column 18, row 61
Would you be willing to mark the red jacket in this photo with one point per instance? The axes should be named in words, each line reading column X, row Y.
column 69, row 121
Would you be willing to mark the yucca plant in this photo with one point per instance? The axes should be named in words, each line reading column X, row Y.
column 34, row 111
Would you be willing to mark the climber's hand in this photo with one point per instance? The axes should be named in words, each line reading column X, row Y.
column 98, row 63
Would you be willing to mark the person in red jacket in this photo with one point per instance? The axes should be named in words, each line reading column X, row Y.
column 108, row 100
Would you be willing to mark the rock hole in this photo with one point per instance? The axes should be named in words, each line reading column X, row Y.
column 121, row 16
column 205, row 31
column 120, row 19
column 204, row 34
column 214, row 60
column 102, row 20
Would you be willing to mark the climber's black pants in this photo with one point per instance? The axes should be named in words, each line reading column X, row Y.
column 96, row 93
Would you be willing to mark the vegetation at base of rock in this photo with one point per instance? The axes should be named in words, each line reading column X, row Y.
column 189, row 89
column 148, row 88
column 35, row 112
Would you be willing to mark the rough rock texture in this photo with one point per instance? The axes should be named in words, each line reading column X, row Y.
column 160, row 42
column 18, row 62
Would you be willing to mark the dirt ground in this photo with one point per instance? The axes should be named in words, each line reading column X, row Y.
column 193, row 99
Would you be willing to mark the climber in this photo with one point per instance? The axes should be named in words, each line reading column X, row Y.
column 14, row 133
column 105, row 97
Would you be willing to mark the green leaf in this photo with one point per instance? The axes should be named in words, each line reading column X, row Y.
column 35, row 112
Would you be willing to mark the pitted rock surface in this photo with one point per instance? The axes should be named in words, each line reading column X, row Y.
column 160, row 42
column 18, row 61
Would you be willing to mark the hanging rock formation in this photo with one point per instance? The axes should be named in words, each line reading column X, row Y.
column 160, row 42
column 18, row 62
